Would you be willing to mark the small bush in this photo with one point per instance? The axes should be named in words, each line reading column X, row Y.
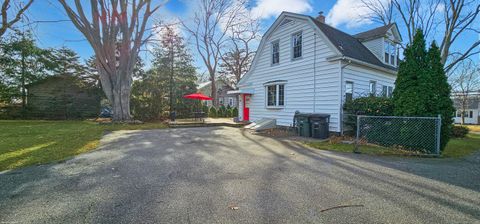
column 371, row 105
column 229, row 112
column 459, row 132
column 213, row 112
column 222, row 111
column 235, row 112
column 205, row 110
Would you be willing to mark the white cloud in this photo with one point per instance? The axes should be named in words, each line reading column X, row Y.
column 271, row 8
column 352, row 13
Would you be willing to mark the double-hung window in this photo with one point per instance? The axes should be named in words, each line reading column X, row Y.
column 373, row 88
column 391, row 52
column 275, row 95
column 387, row 91
column 390, row 91
column 297, row 45
column 275, row 52
column 348, row 91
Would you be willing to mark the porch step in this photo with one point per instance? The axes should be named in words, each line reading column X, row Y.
column 262, row 124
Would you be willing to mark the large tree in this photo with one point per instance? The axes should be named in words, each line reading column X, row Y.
column 421, row 88
column 116, row 31
column 446, row 21
column 210, row 28
column 243, row 35
column 18, row 8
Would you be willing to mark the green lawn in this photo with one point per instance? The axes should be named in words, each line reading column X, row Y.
column 456, row 148
column 24, row 143
column 460, row 147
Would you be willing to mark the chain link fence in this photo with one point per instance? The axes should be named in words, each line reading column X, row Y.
column 420, row 134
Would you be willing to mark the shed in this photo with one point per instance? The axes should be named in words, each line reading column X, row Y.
column 63, row 97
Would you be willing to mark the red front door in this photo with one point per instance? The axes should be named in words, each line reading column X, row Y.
column 246, row 108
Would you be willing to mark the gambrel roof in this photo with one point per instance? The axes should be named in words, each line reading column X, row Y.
column 349, row 46
column 346, row 46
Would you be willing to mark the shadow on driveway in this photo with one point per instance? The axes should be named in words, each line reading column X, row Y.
column 196, row 175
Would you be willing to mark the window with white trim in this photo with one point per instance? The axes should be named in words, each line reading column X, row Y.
column 391, row 53
column 275, row 52
column 230, row 101
column 390, row 91
column 348, row 91
column 297, row 45
column 275, row 95
column 373, row 87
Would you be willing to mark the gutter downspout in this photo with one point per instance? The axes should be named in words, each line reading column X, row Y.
column 341, row 91
column 314, row 71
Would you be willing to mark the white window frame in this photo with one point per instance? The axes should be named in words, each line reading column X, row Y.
column 277, row 95
column 353, row 86
column 299, row 33
column 389, row 91
column 272, row 52
column 230, row 101
column 390, row 47
column 372, row 87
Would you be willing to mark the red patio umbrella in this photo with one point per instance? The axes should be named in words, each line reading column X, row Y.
column 197, row 96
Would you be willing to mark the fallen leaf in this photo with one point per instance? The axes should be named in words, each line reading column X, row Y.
column 233, row 207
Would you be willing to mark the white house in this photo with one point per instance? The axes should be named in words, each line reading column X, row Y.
column 303, row 64
column 471, row 112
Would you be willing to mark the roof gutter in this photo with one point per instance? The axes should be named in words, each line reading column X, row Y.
column 356, row 61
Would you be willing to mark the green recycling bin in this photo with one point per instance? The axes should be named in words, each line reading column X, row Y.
column 302, row 122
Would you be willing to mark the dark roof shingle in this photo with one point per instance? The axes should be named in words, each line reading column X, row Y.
column 373, row 33
column 350, row 46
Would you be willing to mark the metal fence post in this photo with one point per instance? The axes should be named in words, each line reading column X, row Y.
column 439, row 130
column 355, row 149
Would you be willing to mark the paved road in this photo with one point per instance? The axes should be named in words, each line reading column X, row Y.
column 198, row 175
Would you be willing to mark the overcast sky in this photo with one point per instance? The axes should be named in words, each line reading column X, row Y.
column 346, row 15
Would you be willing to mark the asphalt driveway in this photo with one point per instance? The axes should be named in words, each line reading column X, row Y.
column 226, row 175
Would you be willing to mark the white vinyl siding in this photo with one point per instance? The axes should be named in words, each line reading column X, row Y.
column 299, row 75
column 362, row 77
column 376, row 47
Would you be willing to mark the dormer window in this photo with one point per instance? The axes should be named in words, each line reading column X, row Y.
column 391, row 53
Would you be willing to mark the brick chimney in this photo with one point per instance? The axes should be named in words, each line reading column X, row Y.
column 321, row 17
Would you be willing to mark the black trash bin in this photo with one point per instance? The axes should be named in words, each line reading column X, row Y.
column 302, row 123
column 319, row 125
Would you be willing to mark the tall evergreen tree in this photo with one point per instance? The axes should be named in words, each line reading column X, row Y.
column 22, row 62
column 408, row 96
column 67, row 62
column 439, row 101
column 421, row 88
column 172, row 75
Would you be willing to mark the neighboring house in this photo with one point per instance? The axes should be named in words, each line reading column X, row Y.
column 63, row 97
column 303, row 64
column 472, row 109
column 223, row 98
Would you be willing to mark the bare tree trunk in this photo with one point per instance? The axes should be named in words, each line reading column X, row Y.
column 214, row 91
column 115, row 33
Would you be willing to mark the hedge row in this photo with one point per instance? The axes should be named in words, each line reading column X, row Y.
column 221, row 111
